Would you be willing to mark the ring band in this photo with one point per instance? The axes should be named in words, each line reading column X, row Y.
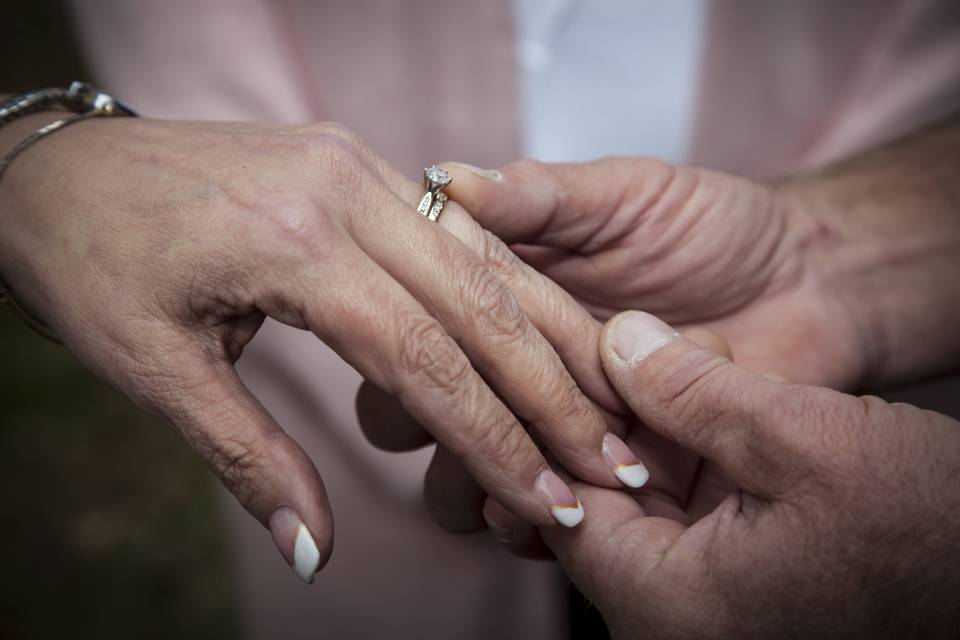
column 431, row 204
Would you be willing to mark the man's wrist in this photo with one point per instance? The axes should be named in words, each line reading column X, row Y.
column 883, row 236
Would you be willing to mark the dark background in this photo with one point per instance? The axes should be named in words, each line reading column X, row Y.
column 109, row 525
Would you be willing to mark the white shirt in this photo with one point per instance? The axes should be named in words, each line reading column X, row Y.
column 607, row 77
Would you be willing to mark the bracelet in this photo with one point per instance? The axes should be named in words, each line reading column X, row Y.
column 84, row 102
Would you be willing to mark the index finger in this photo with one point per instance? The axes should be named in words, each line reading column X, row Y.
column 562, row 205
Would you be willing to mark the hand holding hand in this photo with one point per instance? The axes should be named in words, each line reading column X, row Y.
column 845, row 524
column 692, row 246
column 699, row 247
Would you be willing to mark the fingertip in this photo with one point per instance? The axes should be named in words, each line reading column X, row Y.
column 632, row 336
column 624, row 463
column 469, row 171
column 508, row 201
column 559, row 498
column 296, row 543
column 607, row 508
column 299, row 516
column 267, row 472
column 470, row 184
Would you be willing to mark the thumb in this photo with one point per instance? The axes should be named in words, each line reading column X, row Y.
column 268, row 473
column 745, row 423
column 613, row 556
column 560, row 205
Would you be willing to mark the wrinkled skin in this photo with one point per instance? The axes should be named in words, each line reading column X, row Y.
column 695, row 247
column 845, row 524
column 156, row 249
column 773, row 509
column 703, row 249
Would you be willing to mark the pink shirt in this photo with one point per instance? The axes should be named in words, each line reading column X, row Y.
column 782, row 86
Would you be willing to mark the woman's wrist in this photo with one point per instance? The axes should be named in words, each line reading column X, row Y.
column 11, row 134
column 16, row 130
column 13, row 257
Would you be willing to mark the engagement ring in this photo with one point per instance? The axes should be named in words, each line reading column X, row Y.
column 432, row 202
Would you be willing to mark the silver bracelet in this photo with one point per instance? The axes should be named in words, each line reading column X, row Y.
column 83, row 102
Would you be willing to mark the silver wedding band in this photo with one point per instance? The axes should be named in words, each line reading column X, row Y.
column 431, row 204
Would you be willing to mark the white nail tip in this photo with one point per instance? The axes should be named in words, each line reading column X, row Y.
column 306, row 556
column 569, row 516
column 632, row 475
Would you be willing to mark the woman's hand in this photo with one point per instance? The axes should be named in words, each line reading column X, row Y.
column 156, row 249
column 846, row 524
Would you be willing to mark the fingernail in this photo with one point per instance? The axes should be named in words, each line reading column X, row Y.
column 624, row 463
column 489, row 174
column 637, row 335
column 295, row 542
column 559, row 498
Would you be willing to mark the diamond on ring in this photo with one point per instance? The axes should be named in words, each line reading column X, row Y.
column 436, row 177
column 434, row 180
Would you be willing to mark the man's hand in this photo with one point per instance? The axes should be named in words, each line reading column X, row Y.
column 825, row 278
column 156, row 249
column 846, row 524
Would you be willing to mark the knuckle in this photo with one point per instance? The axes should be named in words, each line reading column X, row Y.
column 580, row 329
column 499, row 259
column 573, row 408
column 493, row 308
column 563, row 401
column 292, row 233
column 696, row 392
column 289, row 217
column 340, row 131
column 431, row 357
column 340, row 161
column 502, row 440
column 234, row 460
column 684, row 386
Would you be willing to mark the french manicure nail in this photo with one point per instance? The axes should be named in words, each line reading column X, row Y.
column 559, row 498
column 637, row 335
column 294, row 541
column 625, row 465
column 489, row 174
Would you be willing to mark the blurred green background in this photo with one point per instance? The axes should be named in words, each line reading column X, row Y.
column 110, row 524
